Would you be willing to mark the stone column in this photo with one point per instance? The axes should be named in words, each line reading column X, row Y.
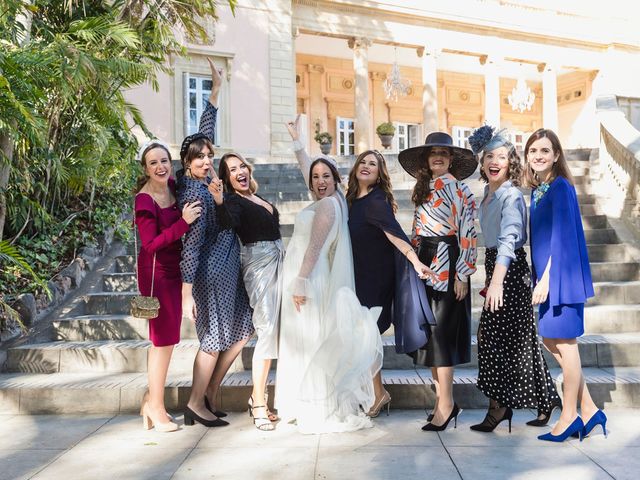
column 491, row 90
column 430, row 89
column 362, row 126
column 282, row 75
column 549, row 97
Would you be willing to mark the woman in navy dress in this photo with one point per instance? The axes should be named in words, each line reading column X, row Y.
column 562, row 276
column 213, row 292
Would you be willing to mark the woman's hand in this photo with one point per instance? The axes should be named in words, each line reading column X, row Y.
column 423, row 271
column 188, row 307
column 540, row 292
column 216, row 76
column 460, row 289
column 299, row 300
column 293, row 128
column 215, row 189
column 493, row 300
column 191, row 212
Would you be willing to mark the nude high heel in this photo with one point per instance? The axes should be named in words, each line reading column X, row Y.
column 385, row 401
column 148, row 424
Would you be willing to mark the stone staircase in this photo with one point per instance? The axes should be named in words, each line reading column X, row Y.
column 96, row 358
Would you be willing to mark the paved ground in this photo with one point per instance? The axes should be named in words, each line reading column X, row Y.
column 95, row 447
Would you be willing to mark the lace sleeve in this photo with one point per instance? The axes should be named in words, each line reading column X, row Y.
column 323, row 221
column 303, row 159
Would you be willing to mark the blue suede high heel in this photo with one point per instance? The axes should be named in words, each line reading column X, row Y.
column 576, row 426
column 598, row 418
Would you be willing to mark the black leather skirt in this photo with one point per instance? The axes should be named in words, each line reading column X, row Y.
column 450, row 340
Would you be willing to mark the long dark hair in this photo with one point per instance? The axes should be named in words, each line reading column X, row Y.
column 225, row 175
column 334, row 171
column 559, row 168
column 142, row 179
column 422, row 188
column 384, row 179
column 515, row 165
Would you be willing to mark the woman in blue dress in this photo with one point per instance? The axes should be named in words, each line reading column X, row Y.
column 562, row 277
column 213, row 293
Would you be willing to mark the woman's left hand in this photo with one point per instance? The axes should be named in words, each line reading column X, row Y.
column 540, row 292
column 493, row 300
column 460, row 289
column 215, row 189
column 423, row 271
column 216, row 76
column 299, row 300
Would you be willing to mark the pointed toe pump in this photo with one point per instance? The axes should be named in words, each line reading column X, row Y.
column 430, row 427
column 576, row 426
column 544, row 416
column 491, row 421
column 598, row 418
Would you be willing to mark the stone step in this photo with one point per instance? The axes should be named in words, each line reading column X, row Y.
column 130, row 356
column 598, row 319
column 108, row 327
column 84, row 393
column 600, row 272
column 108, row 303
column 606, row 293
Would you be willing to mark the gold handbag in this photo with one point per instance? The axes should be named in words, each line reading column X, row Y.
column 143, row 306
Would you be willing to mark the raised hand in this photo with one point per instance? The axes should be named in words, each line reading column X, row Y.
column 294, row 128
column 216, row 189
column 216, row 80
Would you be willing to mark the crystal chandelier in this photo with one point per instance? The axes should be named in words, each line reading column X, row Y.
column 394, row 85
column 521, row 97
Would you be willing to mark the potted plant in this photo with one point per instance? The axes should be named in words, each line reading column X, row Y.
column 324, row 139
column 386, row 131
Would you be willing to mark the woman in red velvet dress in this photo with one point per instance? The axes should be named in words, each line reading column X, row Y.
column 160, row 225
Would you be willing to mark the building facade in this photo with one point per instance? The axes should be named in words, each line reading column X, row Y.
column 329, row 60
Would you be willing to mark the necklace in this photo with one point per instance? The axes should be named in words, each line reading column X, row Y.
column 539, row 192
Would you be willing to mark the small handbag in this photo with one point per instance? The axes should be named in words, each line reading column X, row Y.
column 143, row 306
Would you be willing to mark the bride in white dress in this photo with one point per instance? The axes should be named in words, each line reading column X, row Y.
column 327, row 339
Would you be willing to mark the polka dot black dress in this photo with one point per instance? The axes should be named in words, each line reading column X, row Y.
column 211, row 262
column 512, row 370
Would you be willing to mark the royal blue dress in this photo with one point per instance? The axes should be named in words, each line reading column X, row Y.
column 556, row 232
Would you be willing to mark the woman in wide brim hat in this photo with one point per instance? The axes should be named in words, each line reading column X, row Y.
column 463, row 161
column 445, row 239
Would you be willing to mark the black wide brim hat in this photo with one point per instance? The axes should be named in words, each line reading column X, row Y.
column 463, row 161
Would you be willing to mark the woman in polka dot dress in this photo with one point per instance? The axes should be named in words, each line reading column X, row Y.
column 213, row 293
column 512, row 370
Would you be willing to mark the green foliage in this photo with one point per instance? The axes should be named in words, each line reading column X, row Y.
column 323, row 137
column 65, row 125
column 386, row 128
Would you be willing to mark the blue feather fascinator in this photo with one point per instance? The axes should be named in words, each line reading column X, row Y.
column 487, row 138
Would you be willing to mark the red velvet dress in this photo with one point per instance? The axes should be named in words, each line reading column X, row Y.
column 160, row 231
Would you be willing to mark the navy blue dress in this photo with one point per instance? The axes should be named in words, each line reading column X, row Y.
column 383, row 276
column 211, row 262
column 556, row 232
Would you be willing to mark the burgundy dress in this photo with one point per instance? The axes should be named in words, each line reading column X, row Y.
column 160, row 231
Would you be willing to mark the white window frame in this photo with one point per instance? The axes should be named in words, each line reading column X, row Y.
column 202, row 97
column 395, row 146
column 343, row 133
column 461, row 135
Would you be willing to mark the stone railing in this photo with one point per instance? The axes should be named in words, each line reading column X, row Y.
column 619, row 164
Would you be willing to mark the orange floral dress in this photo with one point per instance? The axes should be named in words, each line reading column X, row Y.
column 450, row 209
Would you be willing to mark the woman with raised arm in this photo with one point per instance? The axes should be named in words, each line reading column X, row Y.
column 257, row 224
column 329, row 344
column 213, row 292
column 445, row 238
column 387, row 271
column 562, row 277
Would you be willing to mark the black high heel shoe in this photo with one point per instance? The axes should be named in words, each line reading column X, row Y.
column 190, row 417
column 455, row 411
column 490, row 421
column 217, row 413
column 543, row 416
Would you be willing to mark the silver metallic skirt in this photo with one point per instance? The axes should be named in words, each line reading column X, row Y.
column 262, row 273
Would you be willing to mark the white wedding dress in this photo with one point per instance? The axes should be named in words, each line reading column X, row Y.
column 330, row 350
